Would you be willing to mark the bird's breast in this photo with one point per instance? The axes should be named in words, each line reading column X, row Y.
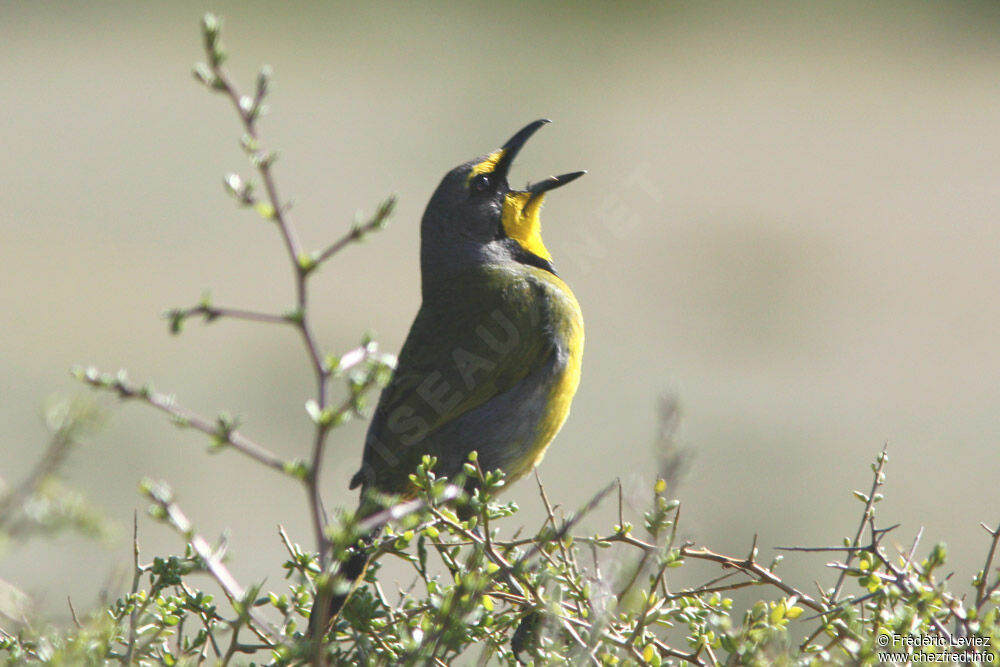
column 554, row 319
column 568, row 334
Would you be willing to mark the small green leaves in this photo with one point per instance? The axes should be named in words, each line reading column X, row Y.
column 622, row 529
column 263, row 160
column 264, row 210
column 211, row 26
column 242, row 191
column 383, row 212
column 251, row 108
column 326, row 417
column 294, row 315
column 225, row 425
column 938, row 556
column 494, row 585
column 117, row 383
column 176, row 319
column 156, row 490
column 205, row 306
column 306, row 262
column 672, row 558
column 203, row 74
column 360, row 227
column 246, row 104
column 263, row 81
column 865, row 498
column 314, row 411
column 249, row 144
column 298, row 469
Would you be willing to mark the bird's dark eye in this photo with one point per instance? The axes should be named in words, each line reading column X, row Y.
column 481, row 183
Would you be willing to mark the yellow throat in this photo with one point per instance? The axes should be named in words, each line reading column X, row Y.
column 520, row 217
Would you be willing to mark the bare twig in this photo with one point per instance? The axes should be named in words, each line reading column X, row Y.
column 752, row 568
column 220, row 430
column 211, row 313
column 72, row 613
column 137, row 571
column 983, row 590
column 358, row 231
column 571, row 522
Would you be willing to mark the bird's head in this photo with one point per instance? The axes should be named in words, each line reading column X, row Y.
column 475, row 216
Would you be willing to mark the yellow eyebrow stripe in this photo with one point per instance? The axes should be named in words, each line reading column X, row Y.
column 486, row 166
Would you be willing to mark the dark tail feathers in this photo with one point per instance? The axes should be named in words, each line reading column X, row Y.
column 351, row 571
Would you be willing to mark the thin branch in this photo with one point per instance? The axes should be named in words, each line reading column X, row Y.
column 163, row 499
column 137, row 571
column 405, row 508
column 221, row 431
column 751, row 567
column 249, row 119
column 248, row 110
column 358, row 231
column 570, row 523
column 822, row 549
column 211, row 313
column 72, row 613
column 877, row 480
column 77, row 418
column 982, row 592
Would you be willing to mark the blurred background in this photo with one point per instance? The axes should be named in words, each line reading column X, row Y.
column 789, row 223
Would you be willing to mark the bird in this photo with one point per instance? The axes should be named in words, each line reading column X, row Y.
column 492, row 360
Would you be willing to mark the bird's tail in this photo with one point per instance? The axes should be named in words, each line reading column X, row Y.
column 352, row 569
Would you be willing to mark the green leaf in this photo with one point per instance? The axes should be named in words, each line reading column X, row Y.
column 203, row 74
column 306, row 262
column 264, row 210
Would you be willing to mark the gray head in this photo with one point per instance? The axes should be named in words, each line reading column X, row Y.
column 474, row 216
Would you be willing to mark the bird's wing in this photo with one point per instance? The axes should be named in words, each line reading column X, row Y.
column 461, row 352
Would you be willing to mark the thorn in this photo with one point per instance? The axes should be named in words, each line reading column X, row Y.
column 72, row 612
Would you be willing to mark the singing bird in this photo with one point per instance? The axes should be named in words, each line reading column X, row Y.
column 492, row 360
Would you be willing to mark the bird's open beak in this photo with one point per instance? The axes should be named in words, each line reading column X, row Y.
column 513, row 147
column 551, row 183
column 521, row 207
